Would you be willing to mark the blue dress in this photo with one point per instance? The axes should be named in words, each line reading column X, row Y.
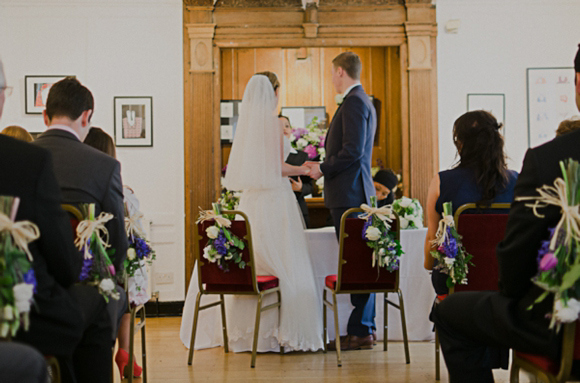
column 458, row 186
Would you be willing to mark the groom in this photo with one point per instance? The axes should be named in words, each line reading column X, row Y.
column 347, row 175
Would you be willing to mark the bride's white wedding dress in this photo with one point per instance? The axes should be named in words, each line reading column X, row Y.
column 278, row 237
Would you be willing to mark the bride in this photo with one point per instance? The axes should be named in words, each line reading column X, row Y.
column 256, row 167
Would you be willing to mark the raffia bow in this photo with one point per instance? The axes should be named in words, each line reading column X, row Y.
column 133, row 225
column 556, row 195
column 208, row 215
column 86, row 228
column 22, row 232
column 384, row 213
column 441, row 235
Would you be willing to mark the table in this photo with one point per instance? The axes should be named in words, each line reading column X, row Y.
column 414, row 281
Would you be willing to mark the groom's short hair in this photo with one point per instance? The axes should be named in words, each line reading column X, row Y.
column 350, row 62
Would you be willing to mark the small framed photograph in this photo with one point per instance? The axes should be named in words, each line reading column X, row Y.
column 134, row 121
column 36, row 91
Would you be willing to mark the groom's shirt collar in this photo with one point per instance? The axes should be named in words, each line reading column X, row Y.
column 350, row 88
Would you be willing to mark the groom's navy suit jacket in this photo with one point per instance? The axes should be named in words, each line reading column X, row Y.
column 349, row 146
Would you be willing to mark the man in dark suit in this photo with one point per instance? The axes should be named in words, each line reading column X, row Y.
column 301, row 186
column 472, row 324
column 85, row 174
column 66, row 320
column 347, row 175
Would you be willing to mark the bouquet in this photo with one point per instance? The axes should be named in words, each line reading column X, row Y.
column 410, row 213
column 97, row 269
column 139, row 254
column 387, row 250
column 17, row 278
column 310, row 140
column 229, row 200
column 223, row 247
column 452, row 258
column 559, row 256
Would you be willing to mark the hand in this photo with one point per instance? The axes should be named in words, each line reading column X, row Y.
column 296, row 185
column 315, row 172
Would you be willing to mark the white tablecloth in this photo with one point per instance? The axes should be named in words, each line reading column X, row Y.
column 414, row 281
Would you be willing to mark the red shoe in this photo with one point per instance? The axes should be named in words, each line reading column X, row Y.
column 122, row 360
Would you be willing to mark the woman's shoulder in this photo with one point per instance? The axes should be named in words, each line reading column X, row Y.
column 454, row 175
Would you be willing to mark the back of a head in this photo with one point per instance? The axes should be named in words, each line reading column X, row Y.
column 350, row 63
column 387, row 178
column 100, row 140
column 568, row 126
column 272, row 77
column 68, row 98
column 480, row 147
column 17, row 132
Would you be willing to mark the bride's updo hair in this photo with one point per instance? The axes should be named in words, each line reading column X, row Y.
column 272, row 77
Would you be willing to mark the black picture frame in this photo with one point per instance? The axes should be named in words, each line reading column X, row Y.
column 36, row 89
column 133, row 121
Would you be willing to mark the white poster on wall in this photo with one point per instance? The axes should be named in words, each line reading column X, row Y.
column 551, row 99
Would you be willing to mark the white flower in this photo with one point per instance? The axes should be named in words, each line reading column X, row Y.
column 373, row 233
column 339, row 98
column 382, row 251
column 292, row 138
column 212, row 232
column 320, row 183
column 449, row 261
column 107, row 285
column 301, row 143
column 404, row 222
column 207, row 254
column 8, row 313
column 566, row 314
column 418, row 222
column 22, row 295
column 405, row 202
column 313, row 137
column 131, row 254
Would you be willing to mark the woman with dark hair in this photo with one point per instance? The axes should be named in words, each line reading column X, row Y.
column 481, row 176
column 99, row 139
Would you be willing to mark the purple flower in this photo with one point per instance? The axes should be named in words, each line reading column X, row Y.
column 142, row 248
column 220, row 244
column 86, row 269
column 548, row 262
column 366, row 225
column 450, row 246
column 311, row 151
column 30, row 278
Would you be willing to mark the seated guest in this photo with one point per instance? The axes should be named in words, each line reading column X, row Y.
column 99, row 139
column 385, row 185
column 21, row 363
column 17, row 132
column 301, row 185
column 84, row 174
column 568, row 126
column 481, row 176
column 66, row 320
column 470, row 324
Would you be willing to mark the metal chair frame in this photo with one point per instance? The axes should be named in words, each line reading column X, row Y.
column 458, row 212
column 333, row 305
column 255, row 291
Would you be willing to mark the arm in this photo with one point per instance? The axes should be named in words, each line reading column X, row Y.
column 306, row 185
column 113, row 203
column 433, row 219
column 291, row 170
column 354, row 134
column 56, row 242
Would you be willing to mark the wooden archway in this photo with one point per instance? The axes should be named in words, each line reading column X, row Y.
column 210, row 28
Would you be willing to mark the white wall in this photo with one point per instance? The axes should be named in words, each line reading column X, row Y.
column 497, row 40
column 115, row 48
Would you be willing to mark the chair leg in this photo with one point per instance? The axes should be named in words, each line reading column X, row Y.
column 132, row 343
column 437, row 357
column 256, row 330
column 515, row 373
column 324, row 331
column 385, row 323
column 336, row 329
column 143, row 348
column 194, row 328
column 224, row 323
column 404, row 326
column 280, row 301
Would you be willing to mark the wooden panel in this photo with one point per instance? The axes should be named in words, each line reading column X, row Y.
column 271, row 59
column 245, row 67
column 302, row 78
column 393, row 110
column 326, row 68
column 227, row 74
column 377, row 85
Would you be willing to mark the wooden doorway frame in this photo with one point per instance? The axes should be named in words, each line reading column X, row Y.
column 208, row 28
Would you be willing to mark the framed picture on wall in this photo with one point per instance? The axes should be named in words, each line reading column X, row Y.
column 133, row 121
column 36, row 91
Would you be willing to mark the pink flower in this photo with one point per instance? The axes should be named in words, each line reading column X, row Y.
column 311, row 151
column 548, row 262
column 112, row 269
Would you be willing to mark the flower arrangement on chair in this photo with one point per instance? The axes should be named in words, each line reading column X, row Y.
column 387, row 250
column 410, row 212
column 229, row 200
column 559, row 256
column 452, row 258
column 223, row 247
column 97, row 269
column 17, row 278
column 310, row 140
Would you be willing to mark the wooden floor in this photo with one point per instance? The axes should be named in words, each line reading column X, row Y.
column 167, row 363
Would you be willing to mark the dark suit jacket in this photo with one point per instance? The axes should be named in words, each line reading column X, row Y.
column 298, row 159
column 86, row 175
column 56, row 321
column 349, row 147
column 518, row 251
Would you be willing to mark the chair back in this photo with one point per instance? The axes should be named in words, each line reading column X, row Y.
column 481, row 233
column 75, row 216
column 211, row 278
column 355, row 269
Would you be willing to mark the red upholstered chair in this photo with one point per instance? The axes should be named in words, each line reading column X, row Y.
column 546, row 369
column 213, row 280
column 356, row 275
column 481, row 231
